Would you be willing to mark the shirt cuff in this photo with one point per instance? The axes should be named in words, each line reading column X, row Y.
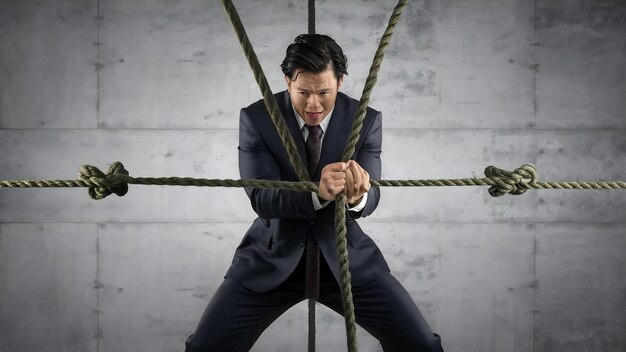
column 317, row 205
column 357, row 208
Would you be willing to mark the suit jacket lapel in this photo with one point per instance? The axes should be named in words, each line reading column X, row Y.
column 292, row 124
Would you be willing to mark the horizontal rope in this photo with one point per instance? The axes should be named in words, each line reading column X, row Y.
column 299, row 186
column 490, row 182
column 117, row 180
column 164, row 181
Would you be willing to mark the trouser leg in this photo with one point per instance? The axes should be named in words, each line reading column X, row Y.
column 385, row 309
column 236, row 317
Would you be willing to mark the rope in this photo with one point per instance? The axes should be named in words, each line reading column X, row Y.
column 275, row 115
column 117, row 179
column 311, row 340
column 340, row 201
column 268, row 97
column 372, row 77
column 502, row 182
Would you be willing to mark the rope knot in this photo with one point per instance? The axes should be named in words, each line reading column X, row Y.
column 100, row 184
column 514, row 182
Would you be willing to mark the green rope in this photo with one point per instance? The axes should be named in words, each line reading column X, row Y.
column 372, row 77
column 268, row 97
column 340, row 201
column 277, row 119
column 117, row 179
column 345, row 278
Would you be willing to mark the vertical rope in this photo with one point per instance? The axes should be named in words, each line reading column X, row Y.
column 277, row 119
column 345, row 277
column 312, row 327
column 311, row 16
column 340, row 202
column 311, row 322
column 268, row 97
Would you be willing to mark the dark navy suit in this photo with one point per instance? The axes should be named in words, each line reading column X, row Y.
column 265, row 277
column 275, row 242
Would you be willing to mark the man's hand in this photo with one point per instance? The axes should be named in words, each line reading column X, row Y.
column 332, row 180
column 349, row 178
column 357, row 182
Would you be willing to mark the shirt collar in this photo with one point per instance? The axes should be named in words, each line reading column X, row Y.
column 323, row 124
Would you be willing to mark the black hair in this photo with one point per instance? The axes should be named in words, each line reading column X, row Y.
column 314, row 53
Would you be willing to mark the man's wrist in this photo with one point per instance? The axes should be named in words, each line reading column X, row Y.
column 318, row 202
column 356, row 202
column 359, row 204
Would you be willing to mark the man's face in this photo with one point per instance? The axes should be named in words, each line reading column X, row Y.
column 313, row 95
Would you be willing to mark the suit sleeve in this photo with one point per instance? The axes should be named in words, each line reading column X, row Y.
column 368, row 156
column 256, row 161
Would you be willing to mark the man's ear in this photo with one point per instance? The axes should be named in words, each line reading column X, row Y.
column 287, row 80
column 339, row 82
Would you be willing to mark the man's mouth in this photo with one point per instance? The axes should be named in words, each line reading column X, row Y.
column 314, row 115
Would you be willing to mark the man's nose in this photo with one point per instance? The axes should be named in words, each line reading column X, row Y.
column 313, row 100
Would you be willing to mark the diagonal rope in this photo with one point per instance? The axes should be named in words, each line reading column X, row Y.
column 372, row 77
column 340, row 201
column 277, row 119
column 268, row 97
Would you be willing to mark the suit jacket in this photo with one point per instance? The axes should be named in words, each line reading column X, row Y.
column 275, row 242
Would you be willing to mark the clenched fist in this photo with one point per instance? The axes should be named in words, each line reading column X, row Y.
column 349, row 178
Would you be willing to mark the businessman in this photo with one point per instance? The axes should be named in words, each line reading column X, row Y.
column 288, row 254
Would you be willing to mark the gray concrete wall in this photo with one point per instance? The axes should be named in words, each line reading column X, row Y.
column 158, row 85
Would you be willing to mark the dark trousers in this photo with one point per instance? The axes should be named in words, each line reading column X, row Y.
column 236, row 316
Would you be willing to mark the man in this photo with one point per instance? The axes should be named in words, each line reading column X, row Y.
column 289, row 253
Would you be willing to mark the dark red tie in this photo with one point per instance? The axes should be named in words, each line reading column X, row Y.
column 312, row 286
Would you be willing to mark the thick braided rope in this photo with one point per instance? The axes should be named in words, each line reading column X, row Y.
column 345, row 277
column 490, row 182
column 275, row 115
column 268, row 97
column 302, row 186
column 372, row 77
column 340, row 201
column 117, row 179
